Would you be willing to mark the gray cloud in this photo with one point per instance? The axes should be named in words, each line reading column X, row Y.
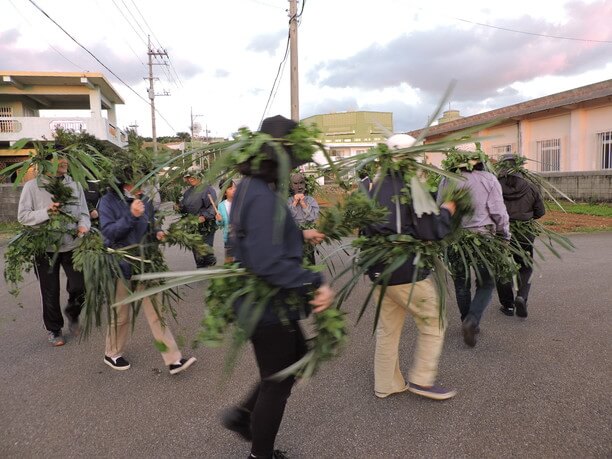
column 268, row 43
column 483, row 60
column 129, row 69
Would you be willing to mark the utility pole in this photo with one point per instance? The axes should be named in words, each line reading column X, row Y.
column 293, row 43
column 193, row 118
column 151, row 53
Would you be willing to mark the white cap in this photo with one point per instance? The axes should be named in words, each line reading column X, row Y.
column 398, row 141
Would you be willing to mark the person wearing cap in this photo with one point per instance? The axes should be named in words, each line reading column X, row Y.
column 198, row 200
column 127, row 219
column 524, row 203
column 489, row 218
column 267, row 242
column 404, row 296
column 36, row 206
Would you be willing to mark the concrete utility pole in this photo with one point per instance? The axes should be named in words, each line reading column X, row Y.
column 151, row 53
column 293, row 43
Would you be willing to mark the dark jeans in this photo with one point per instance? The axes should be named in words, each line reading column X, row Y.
column 49, row 279
column 504, row 290
column 276, row 347
column 204, row 261
column 469, row 307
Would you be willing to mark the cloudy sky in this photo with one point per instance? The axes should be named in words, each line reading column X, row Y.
column 383, row 55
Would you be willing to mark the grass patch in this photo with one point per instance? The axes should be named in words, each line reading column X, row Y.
column 582, row 208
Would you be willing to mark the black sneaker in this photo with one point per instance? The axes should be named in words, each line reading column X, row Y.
column 434, row 392
column 55, row 338
column 182, row 365
column 509, row 311
column 469, row 332
column 238, row 420
column 278, row 454
column 521, row 306
column 117, row 364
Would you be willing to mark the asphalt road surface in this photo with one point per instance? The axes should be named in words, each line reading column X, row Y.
column 538, row 387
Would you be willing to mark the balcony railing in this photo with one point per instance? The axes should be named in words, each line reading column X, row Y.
column 37, row 128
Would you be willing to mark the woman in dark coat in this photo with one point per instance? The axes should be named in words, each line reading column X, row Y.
column 267, row 242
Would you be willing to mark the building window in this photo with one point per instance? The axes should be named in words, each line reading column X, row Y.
column 549, row 155
column 604, row 146
column 499, row 150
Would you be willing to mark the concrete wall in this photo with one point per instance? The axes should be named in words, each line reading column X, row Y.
column 9, row 199
column 583, row 186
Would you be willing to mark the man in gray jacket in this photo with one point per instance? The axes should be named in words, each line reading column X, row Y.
column 36, row 207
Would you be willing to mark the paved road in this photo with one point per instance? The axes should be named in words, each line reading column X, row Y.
column 534, row 388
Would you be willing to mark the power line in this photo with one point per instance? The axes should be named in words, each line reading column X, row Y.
column 134, row 18
column 98, row 60
column 170, row 63
column 48, row 42
column 507, row 29
column 125, row 40
column 560, row 37
column 129, row 23
column 281, row 66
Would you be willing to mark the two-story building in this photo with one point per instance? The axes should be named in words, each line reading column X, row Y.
column 24, row 96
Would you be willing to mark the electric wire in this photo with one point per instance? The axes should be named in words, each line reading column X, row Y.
column 129, row 22
column 281, row 67
column 48, row 42
column 98, row 60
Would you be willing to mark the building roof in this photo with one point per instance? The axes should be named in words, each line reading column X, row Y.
column 592, row 95
column 21, row 79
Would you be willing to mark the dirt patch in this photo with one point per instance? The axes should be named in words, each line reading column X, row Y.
column 567, row 223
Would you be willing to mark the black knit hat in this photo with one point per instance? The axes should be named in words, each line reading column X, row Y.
column 278, row 127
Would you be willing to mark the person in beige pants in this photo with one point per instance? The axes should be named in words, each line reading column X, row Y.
column 126, row 221
column 423, row 307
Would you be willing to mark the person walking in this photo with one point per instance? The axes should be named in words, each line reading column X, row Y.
column 489, row 218
column 127, row 220
column 403, row 296
column 524, row 204
column 198, row 200
column 37, row 206
column 259, row 212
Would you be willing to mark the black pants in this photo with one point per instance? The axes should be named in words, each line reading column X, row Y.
column 203, row 261
column 504, row 290
column 49, row 279
column 276, row 347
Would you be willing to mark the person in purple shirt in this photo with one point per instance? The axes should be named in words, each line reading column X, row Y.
column 490, row 217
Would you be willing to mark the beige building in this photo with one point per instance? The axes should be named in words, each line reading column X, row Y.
column 350, row 133
column 24, row 94
column 570, row 131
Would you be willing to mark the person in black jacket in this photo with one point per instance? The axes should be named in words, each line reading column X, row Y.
column 403, row 295
column 267, row 242
column 524, row 203
column 199, row 200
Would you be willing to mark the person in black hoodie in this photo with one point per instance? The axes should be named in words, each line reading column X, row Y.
column 267, row 242
column 524, row 203
column 403, row 295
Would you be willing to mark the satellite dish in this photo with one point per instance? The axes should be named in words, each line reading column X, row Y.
column 197, row 128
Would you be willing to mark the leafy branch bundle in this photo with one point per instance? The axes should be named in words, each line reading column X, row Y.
column 527, row 231
column 185, row 234
column 356, row 211
column 470, row 249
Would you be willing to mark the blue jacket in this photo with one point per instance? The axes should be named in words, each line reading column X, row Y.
column 120, row 228
column 224, row 223
column 267, row 242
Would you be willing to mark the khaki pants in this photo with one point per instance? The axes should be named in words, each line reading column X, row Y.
column 119, row 328
column 423, row 307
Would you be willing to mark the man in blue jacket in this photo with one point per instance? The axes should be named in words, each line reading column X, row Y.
column 127, row 220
